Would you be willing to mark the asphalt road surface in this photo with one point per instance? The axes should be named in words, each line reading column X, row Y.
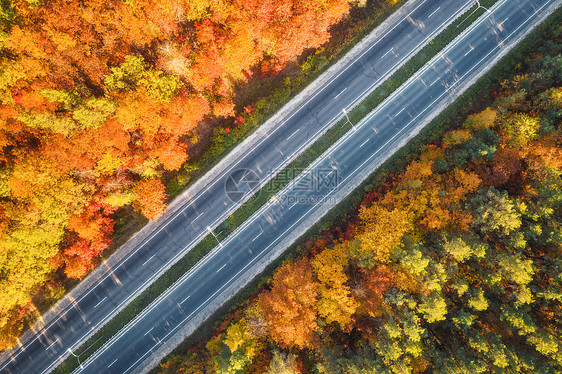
column 220, row 198
column 399, row 114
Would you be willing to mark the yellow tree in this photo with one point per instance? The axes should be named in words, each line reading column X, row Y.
column 336, row 304
column 381, row 231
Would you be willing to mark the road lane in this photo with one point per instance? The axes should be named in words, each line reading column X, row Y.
column 189, row 225
column 347, row 158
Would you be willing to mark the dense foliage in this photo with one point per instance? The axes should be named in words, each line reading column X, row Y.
column 453, row 266
column 98, row 99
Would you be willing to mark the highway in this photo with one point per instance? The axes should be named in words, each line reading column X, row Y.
column 183, row 230
column 129, row 350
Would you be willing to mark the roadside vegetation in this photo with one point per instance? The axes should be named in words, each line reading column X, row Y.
column 238, row 217
column 108, row 109
column 448, row 263
column 232, row 222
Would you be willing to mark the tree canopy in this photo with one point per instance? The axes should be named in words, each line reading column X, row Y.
column 99, row 101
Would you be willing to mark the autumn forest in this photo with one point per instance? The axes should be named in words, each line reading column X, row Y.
column 452, row 265
column 98, row 99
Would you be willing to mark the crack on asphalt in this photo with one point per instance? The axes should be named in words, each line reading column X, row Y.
column 369, row 70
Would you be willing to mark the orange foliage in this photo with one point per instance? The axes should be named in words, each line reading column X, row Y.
column 290, row 306
column 76, row 267
column 150, row 197
column 223, row 108
column 505, row 165
column 80, row 121
column 169, row 152
column 373, row 283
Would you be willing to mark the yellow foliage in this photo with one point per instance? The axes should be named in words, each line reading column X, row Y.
column 61, row 40
column 418, row 170
column 235, row 336
column 382, row 230
column 336, row 303
column 482, row 120
column 138, row 111
column 108, row 163
column 456, row 137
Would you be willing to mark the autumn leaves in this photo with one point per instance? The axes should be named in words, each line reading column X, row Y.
column 100, row 99
column 450, row 266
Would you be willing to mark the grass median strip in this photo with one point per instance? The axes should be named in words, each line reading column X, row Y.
column 275, row 185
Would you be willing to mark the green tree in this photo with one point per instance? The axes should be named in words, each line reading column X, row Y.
column 521, row 129
column 519, row 319
column 282, row 363
column 93, row 112
column 495, row 212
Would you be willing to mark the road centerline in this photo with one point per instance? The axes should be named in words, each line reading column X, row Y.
column 433, row 13
column 99, row 302
column 50, row 345
column 148, row 332
column 257, row 236
column 222, row 267
column 342, row 91
column 387, row 53
column 293, row 134
column 150, row 258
